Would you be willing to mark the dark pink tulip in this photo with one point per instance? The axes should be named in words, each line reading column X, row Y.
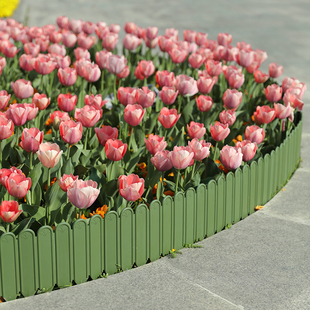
column 236, row 80
column 168, row 118
column 22, row 89
column 115, row 149
column 18, row 185
column 255, row 134
column 4, row 99
column 196, row 60
column 69, row 39
column 201, row 149
column 131, row 187
column 83, row 194
column 196, row 130
column 105, row 133
column 224, row 39
column 131, row 41
column 204, row 103
column 66, row 181
column 89, row 27
column 181, row 157
column 81, row 53
column 43, row 64
column 55, row 36
column 91, row 72
column 63, row 22
column 248, row 149
column 31, row 139
column 219, row 131
column 41, row 101
column 155, row 143
column 43, row 42
column 32, row 49
column 178, row 55
column 260, row 77
column 205, row 84
column 245, row 58
column 275, row 70
column 88, row 115
column 228, row 117
column 18, row 113
column 130, row 27
column 67, row 76
column 264, row 114
column 26, row 62
column 138, row 74
column 146, row 68
column 6, row 127
column 214, row 68
column 282, row 111
column 231, row 157
column 291, row 97
column 102, row 59
column 95, row 101
column 186, row 85
column 161, row 161
column 145, row 97
column 76, row 25
column 165, row 78
column 126, row 95
column 67, row 102
column 116, row 64
column 124, row 73
column 70, row 131
column 9, row 211
column 273, row 93
column 168, row 95
column 133, row 114
column 162, row 42
column 109, row 41
column 232, row 99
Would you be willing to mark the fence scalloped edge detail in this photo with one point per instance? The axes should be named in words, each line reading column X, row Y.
column 30, row 263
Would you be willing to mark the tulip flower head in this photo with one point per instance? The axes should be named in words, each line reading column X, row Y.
column 9, row 211
column 131, row 187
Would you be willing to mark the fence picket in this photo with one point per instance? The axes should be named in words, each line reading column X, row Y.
column 253, row 189
column 260, row 180
column 167, row 214
column 246, row 185
column 190, row 216
column 178, row 234
column 272, row 174
column 200, row 212
column 229, row 201
column 266, row 179
column 141, row 233
column 211, row 208
column 127, row 239
column 220, row 215
column 155, row 230
column 238, row 196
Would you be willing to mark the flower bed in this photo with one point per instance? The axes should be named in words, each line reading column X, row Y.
column 92, row 200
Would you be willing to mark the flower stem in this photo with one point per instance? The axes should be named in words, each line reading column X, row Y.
column 85, row 140
column 30, row 160
column 177, row 182
column 68, row 151
column 1, row 153
column 115, row 97
column 193, row 171
column 17, row 135
column 162, row 185
column 102, row 81
column 8, row 227
column 130, row 139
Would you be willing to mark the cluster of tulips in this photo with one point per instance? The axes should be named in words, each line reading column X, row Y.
column 84, row 130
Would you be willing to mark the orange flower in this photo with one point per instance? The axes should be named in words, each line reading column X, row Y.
column 49, row 132
column 35, row 91
column 154, row 189
column 48, row 122
column 101, row 211
column 221, row 166
column 239, row 138
column 258, row 208
column 52, row 182
column 235, row 141
column 169, row 193
column 245, row 91
column 82, row 217
column 142, row 166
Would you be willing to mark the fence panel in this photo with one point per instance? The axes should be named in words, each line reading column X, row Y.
column 178, row 234
column 229, row 201
column 167, row 212
column 253, row 189
column 200, row 212
column 142, row 234
column 246, row 185
column 238, row 196
column 260, row 180
column 272, row 173
column 190, row 216
column 266, row 179
column 155, row 230
column 211, row 208
column 220, row 214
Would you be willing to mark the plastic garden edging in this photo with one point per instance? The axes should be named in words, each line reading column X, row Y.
column 29, row 263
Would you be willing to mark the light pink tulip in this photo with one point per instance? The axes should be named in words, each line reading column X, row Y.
column 63, row 22
column 32, row 49
column 116, row 64
column 31, row 139
column 232, row 99
column 43, row 64
column 168, row 118
column 18, row 185
column 67, row 102
column 102, row 58
column 26, row 62
column 155, row 144
column 55, row 36
column 131, row 187
column 228, row 117
column 168, row 95
column 181, row 157
column 22, row 89
column 146, row 68
column 145, row 97
column 89, row 27
column 67, row 76
column 95, row 101
column 204, row 103
column 186, row 85
column 76, row 25
column 69, row 39
column 130, row 27
column 178, row 55
column 196, row 60
column 109, row 41
column 70, row 131
column 231, row 157
column 196, row 130
column 165, row 78
column 57, row 49
column 4, row 99
column 18, row 113
column 81, row 53
column 88, row 115
column 245, row 58
column 123, row 74
column 131, row 41
column 66, row 181
column 291, row 97
column 91, row 72
column 248, row 149
column 236, row 80
column 282, row 111
column 133, row 114
column 214, row 68
column 224, row 39
column 201, row 149
column 126, row 95
column 62, row 62
column 6, row 127
column 49, row 154
column 275, row 70
column 205, row 84
column 161, row 161
column 219, row 131
column 255, row 134
column 273, row 93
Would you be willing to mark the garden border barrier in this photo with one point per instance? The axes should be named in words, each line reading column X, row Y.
column 30, row 262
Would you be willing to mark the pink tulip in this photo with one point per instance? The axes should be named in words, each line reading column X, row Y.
column 264, row 114
column 214, row 68
column 63, row 22
column 204, row 103
column 10, row 50
column 291, row 97
column 205, row 52
column 40, row 101
column 172, row 34
column 201, row 38
column 115, row 149
column 254, row 134
column 67, row 76
column 95, row 101
column 161, row 161
column 228, row 70
column 55, row 36
column 32, row 49
column 232, row 99
column 245, row 58
column 189, row 35
column 26, row 62
column 274, row 70
column 155, row 144
column 228, row 117
column 4, row 99
column 273, row 93
column 114, row 28
column 168, row 95
column 31, row 139
column 49, row 154
column 130, row 27
column 224, row 39
column 33, row 110
column 18, row 185
column 57, row 49
column 168, row 118
column 76, row 25
column 22, row 89
column 58, row 117
column 201, row 149
column 109, row 41
column 196, row 130
column 181, row 157
column 186, row 85
column 138, row 74
column 88, row 115
column 5, row 173
column 260, row 77
column 89, row 27
column 151, row 32
column 131, row 187
column 236, row 80
column 126, row 95
column 67, row 102
column 219, row 131
column 6, row 128
column 133, row 114
column 178, row 55
column 146, row 68
column 44, row 42
column 293, row 83
column 69, row 39
column 105, row 133
column 205, row 84
column 66, row 181
column 85, row 41
column 145, row 97
column 43, row 64
column 196, row 60
column 9, row 211
column 79, row 66
column 282, row 111
column 18, row 113
column 231, row 157
column 253, row 67
column 162, row 42
column 62, row 62
column 131, row 41
column 248, row 149
column 151, row 43
column 165, row 78
column 123, row 74
column 102, row 31
column 91, row 72
column 116, row 64
column 70, row 131
column 81, row 53
column 83, row 194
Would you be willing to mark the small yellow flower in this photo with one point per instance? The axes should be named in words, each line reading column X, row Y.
column 8, row 7
column 258, row 208
column 173, row 250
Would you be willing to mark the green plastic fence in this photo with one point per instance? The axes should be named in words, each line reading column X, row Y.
column 30, row 262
